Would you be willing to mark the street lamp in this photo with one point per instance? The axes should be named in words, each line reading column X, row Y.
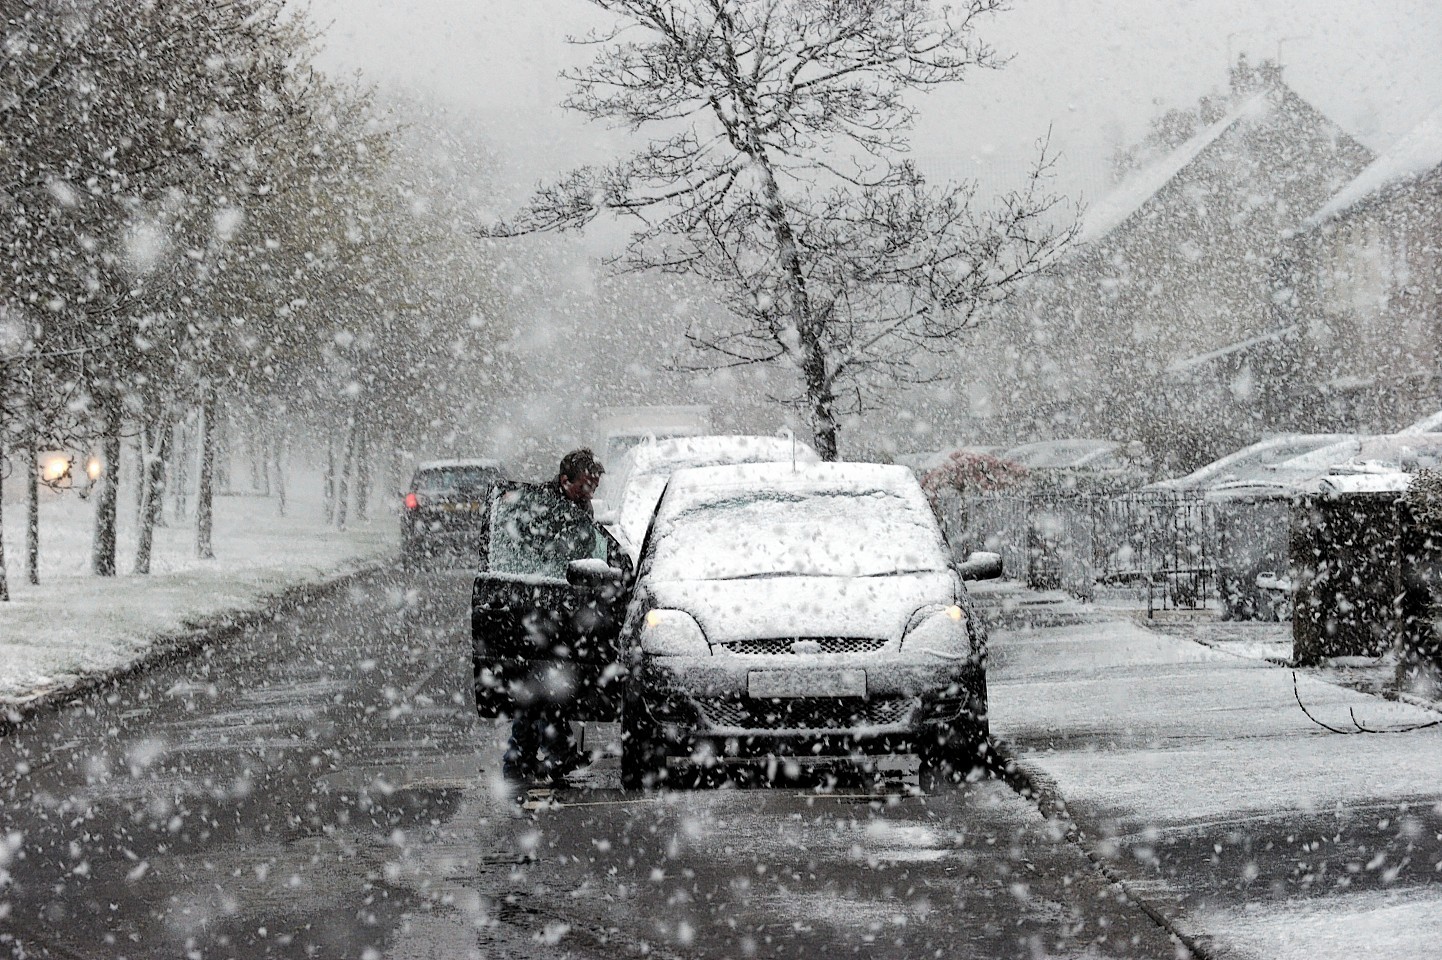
column 55, row 470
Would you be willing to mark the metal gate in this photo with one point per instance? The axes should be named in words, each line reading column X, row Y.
column 1165, row 543
column 1159, row 546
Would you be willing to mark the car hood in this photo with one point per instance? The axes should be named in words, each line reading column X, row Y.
column 732, row 610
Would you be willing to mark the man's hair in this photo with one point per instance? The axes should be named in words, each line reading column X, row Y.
column 580, row 463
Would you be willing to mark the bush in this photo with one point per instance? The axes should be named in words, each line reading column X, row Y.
column 969, row 473
column 1424, row 499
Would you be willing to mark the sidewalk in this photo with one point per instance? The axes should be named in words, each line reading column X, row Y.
column 1166, row 753
column 75, row 629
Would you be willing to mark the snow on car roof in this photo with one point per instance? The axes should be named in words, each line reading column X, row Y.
column 923, row 460
column 1056, row 454
column 680, row 452
column 702, row 484
column 1356, row 455
column 1390, row 482
column 1428, row 424
column 1253, row 462
column 453, row 464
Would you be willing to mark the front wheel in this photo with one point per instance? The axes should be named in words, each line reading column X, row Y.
column 643, row 750
column 962, row 754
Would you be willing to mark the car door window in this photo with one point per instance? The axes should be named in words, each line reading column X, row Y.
column 535, row 531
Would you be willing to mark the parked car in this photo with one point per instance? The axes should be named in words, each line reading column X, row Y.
column 546, row 604
column 442, row 511
column 629, row 491
column 801, row 610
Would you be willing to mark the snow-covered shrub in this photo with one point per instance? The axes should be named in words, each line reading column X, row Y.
column 964, row 472
column 1424, row 499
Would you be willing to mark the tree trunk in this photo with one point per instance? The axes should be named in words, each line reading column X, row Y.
column 32, row 498
column 219, row 424
column 328, row 492
column 278, row 469
column 180, row 469
column 255, row 452
column 155, row 444
column 102, row 550
column 347, row 462
column 816, row 379
column 363, row 472
column 140, row 461
column 4, row 577
column 204, row 493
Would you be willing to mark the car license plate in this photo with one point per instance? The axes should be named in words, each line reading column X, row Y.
column 461, row 507
column 821, row 682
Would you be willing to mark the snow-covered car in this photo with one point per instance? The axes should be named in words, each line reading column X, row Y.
column 546, row 605
column 629, row 491
column 808, row 610
column 442, row 510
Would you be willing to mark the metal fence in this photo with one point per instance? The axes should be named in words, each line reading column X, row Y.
column 1157, row 546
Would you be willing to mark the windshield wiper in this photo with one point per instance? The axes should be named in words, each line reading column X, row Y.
column 772, row 573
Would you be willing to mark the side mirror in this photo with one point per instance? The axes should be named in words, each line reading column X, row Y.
column 980, row 565
column 594, row 574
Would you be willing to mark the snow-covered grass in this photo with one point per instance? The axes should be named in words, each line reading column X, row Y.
column 74, row 625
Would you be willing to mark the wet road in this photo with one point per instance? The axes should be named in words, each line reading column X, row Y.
column 319, row 787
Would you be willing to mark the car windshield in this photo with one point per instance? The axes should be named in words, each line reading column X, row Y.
column 457, row 479
column 536, row 532
column 852, row 533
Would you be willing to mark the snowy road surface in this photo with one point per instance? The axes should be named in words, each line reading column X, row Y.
column 1199, row 778
column 314, row 791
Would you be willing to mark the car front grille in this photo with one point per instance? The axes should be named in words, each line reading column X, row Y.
column 805, row 713
column 783, row 646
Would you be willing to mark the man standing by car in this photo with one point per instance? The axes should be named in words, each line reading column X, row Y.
column 542, row 745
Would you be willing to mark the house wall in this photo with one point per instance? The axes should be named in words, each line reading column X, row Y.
column 1371, row 298
column 1087, row 351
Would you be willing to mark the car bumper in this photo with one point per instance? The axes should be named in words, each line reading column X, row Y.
column 693, row 697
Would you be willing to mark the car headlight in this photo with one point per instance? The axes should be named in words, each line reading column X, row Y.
column 940, row 631
column 673, row 633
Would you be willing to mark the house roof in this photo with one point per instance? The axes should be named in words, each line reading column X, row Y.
column 1416, row 154
column 1112, row 210
column 1251, row 463
column 1190, row 364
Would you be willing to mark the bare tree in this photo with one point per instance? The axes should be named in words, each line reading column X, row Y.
column 777, row 172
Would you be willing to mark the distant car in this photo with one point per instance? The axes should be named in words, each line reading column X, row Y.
column 547, row 605
column 630, row 489
column 443, row 509
column 804, row 611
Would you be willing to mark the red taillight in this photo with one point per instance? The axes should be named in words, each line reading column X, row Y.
column 412, row 501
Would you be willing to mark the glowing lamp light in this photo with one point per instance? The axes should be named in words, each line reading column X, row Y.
column 412, row 501
column 93, row 469
column 954, row 612
column 55, row 468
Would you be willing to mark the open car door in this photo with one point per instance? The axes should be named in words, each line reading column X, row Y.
column 547, row 605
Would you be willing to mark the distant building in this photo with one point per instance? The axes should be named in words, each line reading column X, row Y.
column 1161, row 324
column 1363, row 280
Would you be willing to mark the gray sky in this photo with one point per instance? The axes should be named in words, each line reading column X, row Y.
column 1093, row 70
